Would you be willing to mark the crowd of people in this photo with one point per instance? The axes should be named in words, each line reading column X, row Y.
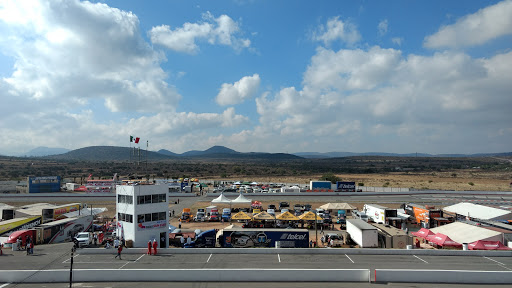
column 28, row 245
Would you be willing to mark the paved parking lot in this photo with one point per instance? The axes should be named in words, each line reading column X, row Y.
column 57, row 256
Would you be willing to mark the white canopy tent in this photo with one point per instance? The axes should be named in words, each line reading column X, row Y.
column 221, row 199
column 241, row 199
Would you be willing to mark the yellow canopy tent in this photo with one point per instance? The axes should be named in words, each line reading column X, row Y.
column 287, row 216
column 263, row 216
column 310, row 216
column 241, row 216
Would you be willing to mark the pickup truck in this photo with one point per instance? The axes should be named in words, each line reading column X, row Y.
column 337, row 239
column 84, row 239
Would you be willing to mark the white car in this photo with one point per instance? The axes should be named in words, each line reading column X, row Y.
column 84, row 239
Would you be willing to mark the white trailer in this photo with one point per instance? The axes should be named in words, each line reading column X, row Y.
column 378, row 214
column 364, row 234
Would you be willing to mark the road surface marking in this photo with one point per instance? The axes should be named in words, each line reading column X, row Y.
column 494, row 260
column 349, row 258
column 140, row 257
column 124, row 265
column 279, row 258
column 504, row 267
column 209, row 258
column 64, row 261
column 420, row 259
column 4, row 285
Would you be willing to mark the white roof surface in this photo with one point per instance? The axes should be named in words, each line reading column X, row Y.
column 479, row 211
column 85, row 211
column 465, row 233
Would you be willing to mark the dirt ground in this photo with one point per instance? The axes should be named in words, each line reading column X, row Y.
column 462, row 180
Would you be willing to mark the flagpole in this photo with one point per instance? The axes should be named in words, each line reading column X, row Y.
column 147, row 145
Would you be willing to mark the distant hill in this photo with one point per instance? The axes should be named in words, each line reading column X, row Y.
column 312, row 155
column 210, row 151
column 44, row 151
column 113, row 153
column 167, row 152
column 107, row 153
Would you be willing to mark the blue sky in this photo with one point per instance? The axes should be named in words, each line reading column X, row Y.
column 262, row 76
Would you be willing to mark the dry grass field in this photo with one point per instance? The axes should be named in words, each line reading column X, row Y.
column 461, row 180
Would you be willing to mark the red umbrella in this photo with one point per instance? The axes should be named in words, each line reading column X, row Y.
column 487, row 245
column 423, row 233
column 443, row 240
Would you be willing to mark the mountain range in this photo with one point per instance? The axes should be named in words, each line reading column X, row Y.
column 114, row 153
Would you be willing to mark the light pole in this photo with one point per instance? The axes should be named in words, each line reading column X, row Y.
column 316, row 229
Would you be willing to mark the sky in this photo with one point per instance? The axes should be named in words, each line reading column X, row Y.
column 257, row 76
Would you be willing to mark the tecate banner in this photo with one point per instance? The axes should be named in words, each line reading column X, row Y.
column 346, row 186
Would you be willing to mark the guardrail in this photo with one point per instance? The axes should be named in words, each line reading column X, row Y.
column 443, row 276
column 186, row 275
column 298, row 251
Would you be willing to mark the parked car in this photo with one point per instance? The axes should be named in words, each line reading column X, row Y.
column 337, row 239
column 283, row 205
column 84, row 239
column 272, row 206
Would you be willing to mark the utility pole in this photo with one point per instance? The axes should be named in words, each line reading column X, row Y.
column 71, row 268
column 316, row 229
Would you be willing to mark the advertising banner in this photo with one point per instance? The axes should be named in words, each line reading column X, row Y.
column 151, row 225
column 346, row 186
column 249, row 239
column 21, row 224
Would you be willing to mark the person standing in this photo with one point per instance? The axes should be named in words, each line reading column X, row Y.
column 155, row 245
column 119, row 250
column 182, row 240
column 27, row 246
column 31, row 246
column 189, row 240
column 149, row 247
column 95, row 237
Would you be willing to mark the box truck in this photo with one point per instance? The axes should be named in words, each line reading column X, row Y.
column 362, row 233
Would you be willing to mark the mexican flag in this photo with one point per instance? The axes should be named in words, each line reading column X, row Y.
column 134, row 139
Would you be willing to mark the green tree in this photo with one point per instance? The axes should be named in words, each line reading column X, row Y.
column 330, row 177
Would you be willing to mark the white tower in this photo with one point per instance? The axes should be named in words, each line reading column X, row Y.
column 143, row 214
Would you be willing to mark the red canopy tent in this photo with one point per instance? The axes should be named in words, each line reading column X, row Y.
column 487, row 245
column 423, row 233
column 443, row 240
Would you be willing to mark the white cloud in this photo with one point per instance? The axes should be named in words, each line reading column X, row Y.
column 59, row 58
column 238, row 92
column 221, row 30
column 349, row 95
column 83, row 76
column 334, row 30
column 383, row 27
column 475, row 29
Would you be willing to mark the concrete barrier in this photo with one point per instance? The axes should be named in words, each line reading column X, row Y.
column 443, row 276
column 298, row 251
column 186, row 275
